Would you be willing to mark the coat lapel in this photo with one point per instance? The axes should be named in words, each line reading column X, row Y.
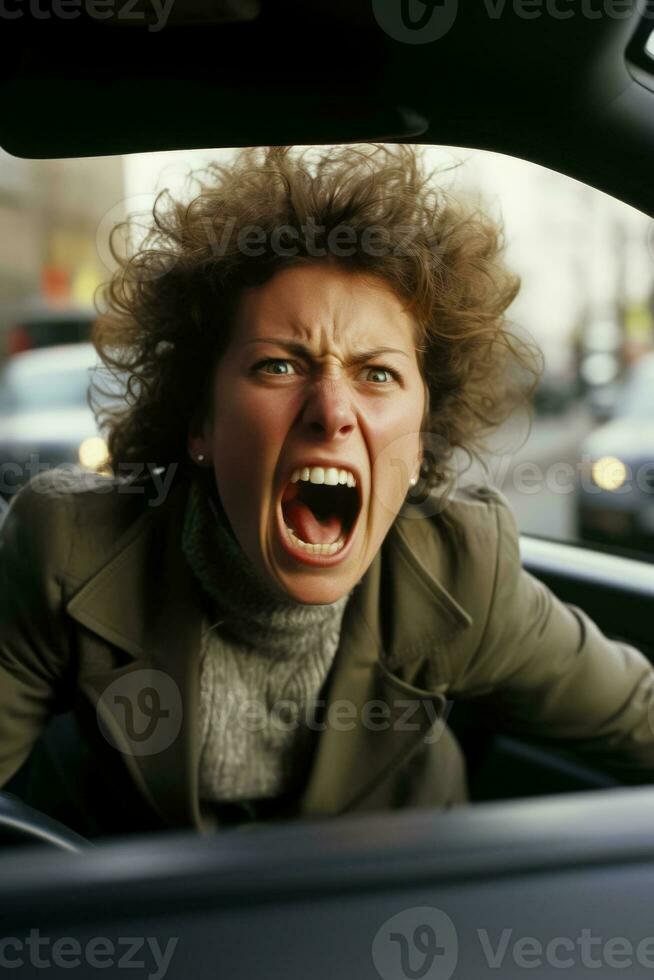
column 145, row 602
column 398, row 616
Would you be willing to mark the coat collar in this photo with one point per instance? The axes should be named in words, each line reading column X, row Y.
column 146, row 602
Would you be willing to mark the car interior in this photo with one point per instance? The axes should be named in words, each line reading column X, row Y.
column 566, row 85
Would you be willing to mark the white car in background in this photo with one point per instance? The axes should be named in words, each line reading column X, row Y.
column 615, row 502
column 45, row 417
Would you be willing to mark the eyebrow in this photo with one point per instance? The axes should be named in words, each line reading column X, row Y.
column 302, row 351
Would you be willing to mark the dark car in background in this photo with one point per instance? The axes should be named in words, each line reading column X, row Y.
column 36, row 325
column 555, row 393
column 45, row 418
column 615, row 501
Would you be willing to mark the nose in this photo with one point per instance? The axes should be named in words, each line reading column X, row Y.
column 328, row 411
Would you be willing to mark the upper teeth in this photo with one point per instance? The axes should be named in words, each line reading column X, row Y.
column 318, row 474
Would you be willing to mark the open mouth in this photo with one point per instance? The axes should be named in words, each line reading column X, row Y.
column 319, row 517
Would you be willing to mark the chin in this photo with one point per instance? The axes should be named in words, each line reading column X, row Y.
column 318, row 592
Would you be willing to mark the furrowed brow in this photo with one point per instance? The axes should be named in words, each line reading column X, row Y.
column 300, row 350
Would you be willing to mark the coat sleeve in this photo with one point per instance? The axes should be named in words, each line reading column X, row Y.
column 551, row 674
column 35, row 539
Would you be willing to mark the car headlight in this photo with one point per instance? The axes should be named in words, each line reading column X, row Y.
column 93, row 453
column 609, row 472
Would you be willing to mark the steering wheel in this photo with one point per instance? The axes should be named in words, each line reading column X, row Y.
column 22, row 824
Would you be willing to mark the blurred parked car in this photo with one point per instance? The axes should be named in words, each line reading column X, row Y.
column 603, row 401
column 36, row 326
column 45, row 419
column 554, row 394
column 615, row 502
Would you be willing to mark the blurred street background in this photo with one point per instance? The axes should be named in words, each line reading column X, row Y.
column 582, row 470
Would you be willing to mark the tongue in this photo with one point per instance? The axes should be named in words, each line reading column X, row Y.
column 304, row 522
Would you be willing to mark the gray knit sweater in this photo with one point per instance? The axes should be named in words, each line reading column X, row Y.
column 264, row 659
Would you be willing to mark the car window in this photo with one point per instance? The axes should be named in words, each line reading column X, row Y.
column 637, row 397
column 577, row 469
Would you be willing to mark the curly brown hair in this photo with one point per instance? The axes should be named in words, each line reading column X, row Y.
column 169, row 307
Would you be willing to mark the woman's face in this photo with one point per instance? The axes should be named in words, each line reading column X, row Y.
column 321, row 374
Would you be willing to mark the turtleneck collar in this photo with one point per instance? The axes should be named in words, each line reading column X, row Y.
column 246, row 607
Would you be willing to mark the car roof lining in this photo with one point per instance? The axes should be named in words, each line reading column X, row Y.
column 555, row 92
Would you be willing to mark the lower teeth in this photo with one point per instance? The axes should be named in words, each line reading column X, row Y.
column 316, row 549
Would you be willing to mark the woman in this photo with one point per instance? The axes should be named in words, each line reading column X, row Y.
column 270, row 606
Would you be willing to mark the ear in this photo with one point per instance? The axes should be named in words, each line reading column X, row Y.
column 198, row 443
column 427, row 409
column 418, row 465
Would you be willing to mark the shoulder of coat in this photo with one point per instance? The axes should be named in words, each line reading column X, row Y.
column 455, row 535
column 75, row 517
column 464, row 506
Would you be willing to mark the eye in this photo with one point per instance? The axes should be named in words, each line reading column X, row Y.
column 277, row 361
column 380, row 369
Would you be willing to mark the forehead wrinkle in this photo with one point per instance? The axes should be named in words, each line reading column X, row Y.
column 318, row 336
column 343, row 320
column 336, row 332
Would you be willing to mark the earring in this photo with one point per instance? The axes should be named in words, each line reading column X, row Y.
column 413, row 481
column 200, row 457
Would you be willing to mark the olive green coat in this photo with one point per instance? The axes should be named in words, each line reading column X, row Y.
column 94, row 590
